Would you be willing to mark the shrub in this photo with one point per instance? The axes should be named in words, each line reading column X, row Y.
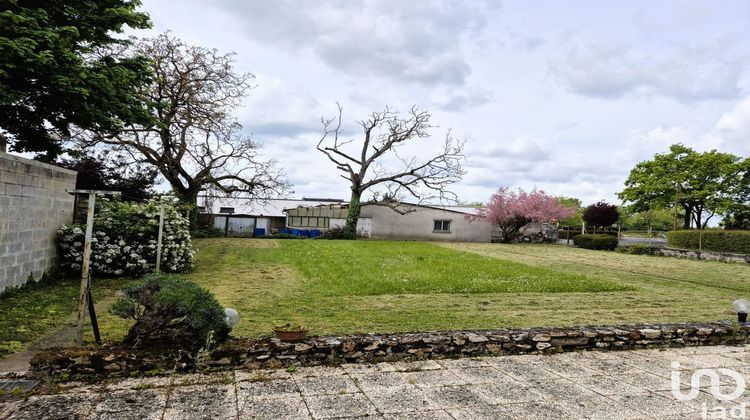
column 207, row 232
column 171, row 309
column 736, row 241
column 281, row 236
column 124, row 240
column 601, row 214
column 337, row 232
column 597, row 241
column 563, row 234
column 637, row 249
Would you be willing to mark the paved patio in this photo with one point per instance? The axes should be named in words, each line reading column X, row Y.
column 629, row 384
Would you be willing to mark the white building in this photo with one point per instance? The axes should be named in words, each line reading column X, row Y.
column 246, row 217
column 405, row 222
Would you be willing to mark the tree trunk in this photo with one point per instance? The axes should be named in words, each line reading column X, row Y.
column 686, row 219
column 353, row 215
column 189, row 198
column 698, row 218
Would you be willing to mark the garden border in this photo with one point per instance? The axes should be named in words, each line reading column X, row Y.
column 695, row 254
column 113, row 361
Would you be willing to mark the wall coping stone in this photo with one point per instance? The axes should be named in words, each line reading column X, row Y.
column 35, row 163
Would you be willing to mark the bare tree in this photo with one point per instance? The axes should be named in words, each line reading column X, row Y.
column 196, row 143
column 374, row 163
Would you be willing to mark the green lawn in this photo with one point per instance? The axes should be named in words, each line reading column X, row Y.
column 345, row 268
column 39, row 308
column 378, row 286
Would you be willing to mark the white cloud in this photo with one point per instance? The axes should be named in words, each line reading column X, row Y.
column 411, row 41
column 484, row 71
column 734, row 126
column 618, row 70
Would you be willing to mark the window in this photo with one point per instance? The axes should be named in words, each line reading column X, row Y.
column 229, row 210
column 443, row 226
column 201, row 209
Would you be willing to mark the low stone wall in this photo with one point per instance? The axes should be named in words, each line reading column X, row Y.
column 370, row 348
column 703, row 255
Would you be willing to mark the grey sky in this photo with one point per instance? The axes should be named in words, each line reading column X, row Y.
column 565, row 96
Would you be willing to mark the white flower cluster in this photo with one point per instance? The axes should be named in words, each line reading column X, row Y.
column 125, row 240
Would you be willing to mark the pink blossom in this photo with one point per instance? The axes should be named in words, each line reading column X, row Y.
column 508, row 209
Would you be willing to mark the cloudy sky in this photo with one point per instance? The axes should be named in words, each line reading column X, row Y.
column 564, row 96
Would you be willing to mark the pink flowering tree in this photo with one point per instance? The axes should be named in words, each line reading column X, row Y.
column 511, row 210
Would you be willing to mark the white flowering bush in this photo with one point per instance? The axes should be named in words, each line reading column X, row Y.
column 124, row 240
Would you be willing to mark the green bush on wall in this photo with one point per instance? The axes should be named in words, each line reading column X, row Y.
column 597, row 241
column 735, row 241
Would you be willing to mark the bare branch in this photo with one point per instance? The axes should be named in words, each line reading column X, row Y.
column 197, row 144
column 381, row 165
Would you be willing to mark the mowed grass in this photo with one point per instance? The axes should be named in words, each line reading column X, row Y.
column 337, row 268
column 337, row 287
column 36, row 309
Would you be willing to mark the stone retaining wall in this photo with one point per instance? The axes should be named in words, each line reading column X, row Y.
column 33, row 205
column 703, row 255
column 331, row 350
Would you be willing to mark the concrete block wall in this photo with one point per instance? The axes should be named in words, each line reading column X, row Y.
column 33, row 205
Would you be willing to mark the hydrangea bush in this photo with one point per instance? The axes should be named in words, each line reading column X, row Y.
column 125, row 237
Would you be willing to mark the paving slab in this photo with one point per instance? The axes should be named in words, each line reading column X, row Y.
column 653, row 402
column 201, row 402
column 344, row 405
column 53, row 407
column 147, row 404
column 611, row 385
column 272, row 388
column 288, row 407
column 326, row 385
column 402, row 399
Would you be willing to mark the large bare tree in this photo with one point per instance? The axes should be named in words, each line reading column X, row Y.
column 197, row 143
column 377, row 162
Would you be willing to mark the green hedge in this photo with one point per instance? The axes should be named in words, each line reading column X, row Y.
column 563, row 234
column 637, row 249
column 598, row 241
column 736, row 241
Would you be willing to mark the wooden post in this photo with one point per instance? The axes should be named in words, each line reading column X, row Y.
column 85, row 273
column 84, row 297
column 92, row 314
column 159, row 237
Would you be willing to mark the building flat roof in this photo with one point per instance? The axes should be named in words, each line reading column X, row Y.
column 255, row 207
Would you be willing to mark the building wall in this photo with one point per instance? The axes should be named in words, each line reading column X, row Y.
column 33, row 205
column 364, row 225
column 419, row 224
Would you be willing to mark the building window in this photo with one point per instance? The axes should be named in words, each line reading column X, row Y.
column 201, row 209
column 442, row 226
column 229, row 210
